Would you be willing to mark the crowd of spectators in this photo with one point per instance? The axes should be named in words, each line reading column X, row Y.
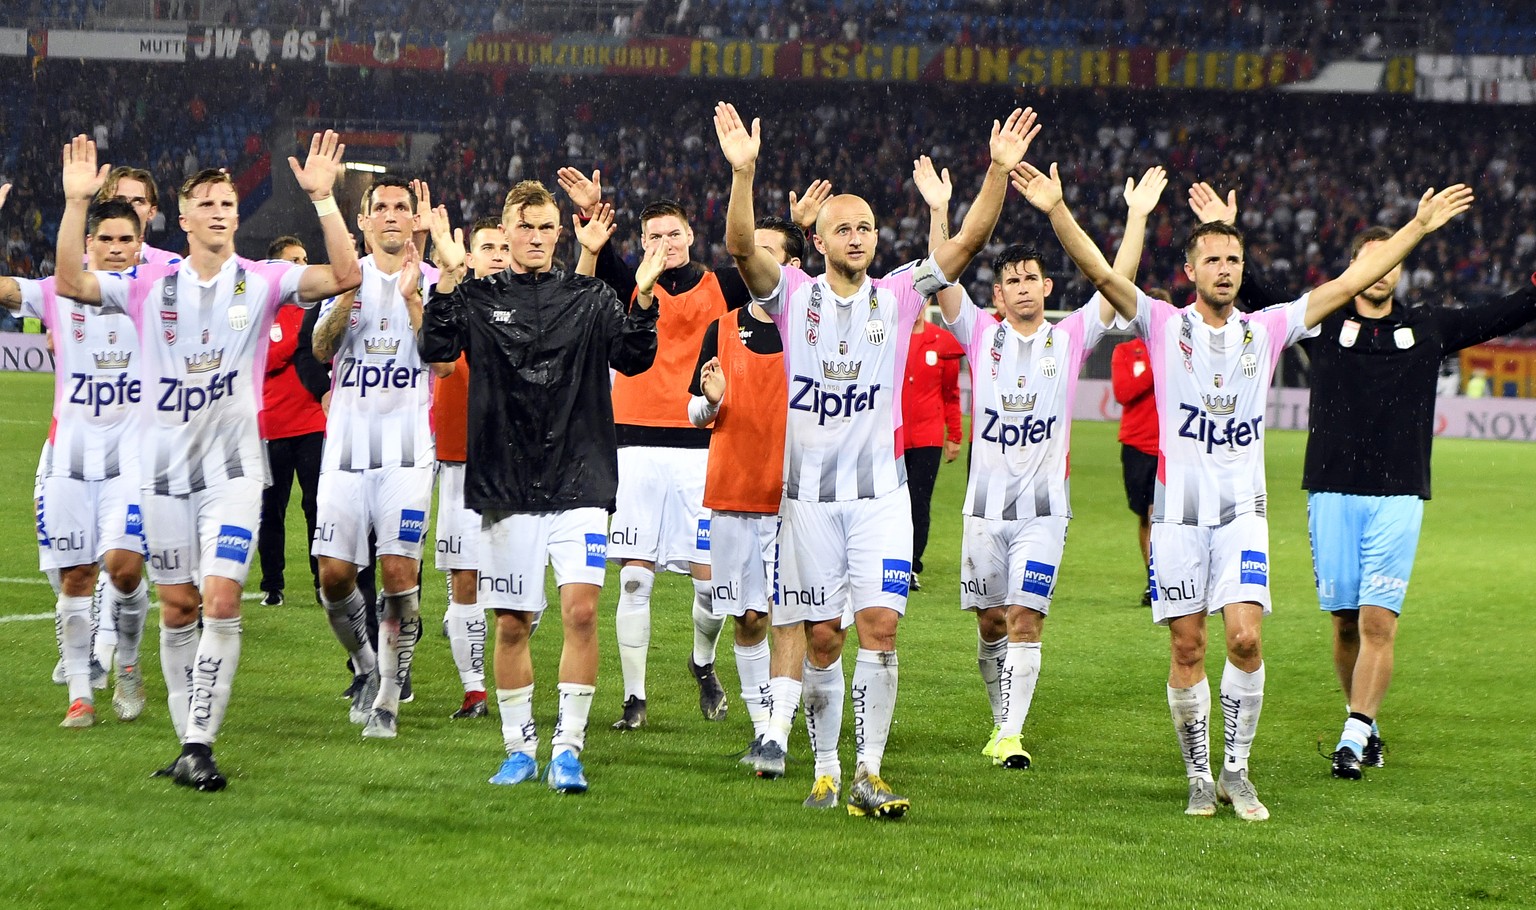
column 1310, row 171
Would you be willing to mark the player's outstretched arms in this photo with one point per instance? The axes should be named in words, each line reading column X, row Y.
column 81, row 179
column 592, row 235
column 10, row 292
column 1044, row 193
column 740, row 145
column 1009, row 142
column 1377, row 259
column 1140, row 201
column 936, row 189
column 317, row 178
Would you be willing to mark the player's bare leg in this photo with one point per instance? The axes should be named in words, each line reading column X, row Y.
column 1369, row 635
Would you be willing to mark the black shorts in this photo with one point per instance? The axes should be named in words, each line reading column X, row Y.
column 1140, row 477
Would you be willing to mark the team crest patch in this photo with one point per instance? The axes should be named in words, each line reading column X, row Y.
column 597, row 551
column 1048, row 367
column 239, row 314
column 1216, row 380
column 206, row 336
column 78, row 319
column 842, row 347
column 234, row 544
column 111, row 338
column 811, row 335
column 895, row 576
column 276, row 334
column 874, row 330
column 413, row 524
column 1250, row 365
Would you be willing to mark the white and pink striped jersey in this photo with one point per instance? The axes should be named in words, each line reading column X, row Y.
column 96, row 385
column 204, row 350
column 844, row 358
column 1211, row 385
column 1022, row 389
column 381, row 397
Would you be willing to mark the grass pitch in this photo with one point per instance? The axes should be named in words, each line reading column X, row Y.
column 317, row 817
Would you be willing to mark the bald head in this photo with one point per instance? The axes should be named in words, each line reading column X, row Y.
column 845, row 208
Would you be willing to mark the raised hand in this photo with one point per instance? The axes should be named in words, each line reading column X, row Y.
column 804, row 209
column 318, row 175
column 447, row 248
column 1041, row 190
column 650, row 268
column 586, row 192
column 1435, row 209
column 5, row 190
column 1209, row 207
column 739, row 144
column 712, row 380
column 425, row 214
column 1010, row 140
column 82, row 178
column 935, row 188
column 409, row 281
column 1141, row 198
column 596, row 231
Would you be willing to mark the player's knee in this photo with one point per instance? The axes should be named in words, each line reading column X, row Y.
column 1188, row 650
column 992, row 624
column 1379, row 630
column 511, row 630
column 78, row 581
column 751, row 627
column 580, row 618
column 1243, row 644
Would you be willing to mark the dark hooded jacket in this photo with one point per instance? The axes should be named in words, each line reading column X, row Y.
column 539, row 347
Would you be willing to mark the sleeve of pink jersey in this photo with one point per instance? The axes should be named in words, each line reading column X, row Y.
column 282, row 280
column 129, row 290
column 37, row 300
column 1151, row 315
column 1285, row 324
column 775, row 304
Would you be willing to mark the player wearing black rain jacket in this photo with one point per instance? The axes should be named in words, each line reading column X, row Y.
column 539, row 345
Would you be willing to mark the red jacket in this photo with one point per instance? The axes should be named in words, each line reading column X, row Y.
column 287, row 408
column 1130, row 374
column 930, row 399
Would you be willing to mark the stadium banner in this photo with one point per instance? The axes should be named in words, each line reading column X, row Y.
column 25, row 352
column 1510, row 367
column 410, row 49
column 259, row 45
column 1475, row 79
column 1456, row 417
column 13, row 42
column 875, row 61
column 159, row 47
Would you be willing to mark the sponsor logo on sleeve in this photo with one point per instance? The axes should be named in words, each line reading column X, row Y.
column 413, row 525
column 895, row 576
column 1039, row 578
column 1253, row 568
column 234, row 544
column 597, row 551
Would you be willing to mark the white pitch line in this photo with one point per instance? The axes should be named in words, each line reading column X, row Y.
column 26, row 617
column 31, row 580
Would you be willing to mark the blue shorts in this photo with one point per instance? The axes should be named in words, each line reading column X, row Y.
column 1362, row 548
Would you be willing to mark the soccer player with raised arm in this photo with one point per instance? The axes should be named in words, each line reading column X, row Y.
column 377, row 466
column 739, row 388
column 88, row 511
column 542, row 462
column 203, row 327
column 458, row 527
column 1024, row 373
column 847, row 518
column 1211, row 368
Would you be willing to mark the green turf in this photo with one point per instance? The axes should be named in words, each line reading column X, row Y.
column 316, row 817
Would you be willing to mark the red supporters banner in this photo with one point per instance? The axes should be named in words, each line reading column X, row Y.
column 391, row 49
column 834, row 61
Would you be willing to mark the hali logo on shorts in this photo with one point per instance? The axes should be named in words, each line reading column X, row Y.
column 234, row 544
column 413, row 525
column 895, row 576
column 1039, row 578
column 597, row 551
column 701, row 539
column 1253, row 569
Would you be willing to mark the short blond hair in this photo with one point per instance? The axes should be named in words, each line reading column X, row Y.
column 208, row 176
column 524, row 194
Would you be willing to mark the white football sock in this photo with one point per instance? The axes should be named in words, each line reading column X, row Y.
column 1191, row 710
column 989, row 658
column 74, row 622
column 213, row 677
column 349, row 622
column 104, row 607
column 399, row 631
column 132, row 608
column 1021, row 671
column 706, row 625
column 518, row 731
column 571, row 722
column 1242, row 698
column 178, row 654
column 823, row 695
column 874, row 702
column 632, row 626
column 466, row 639
column 786, row 701
column 756, row 694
